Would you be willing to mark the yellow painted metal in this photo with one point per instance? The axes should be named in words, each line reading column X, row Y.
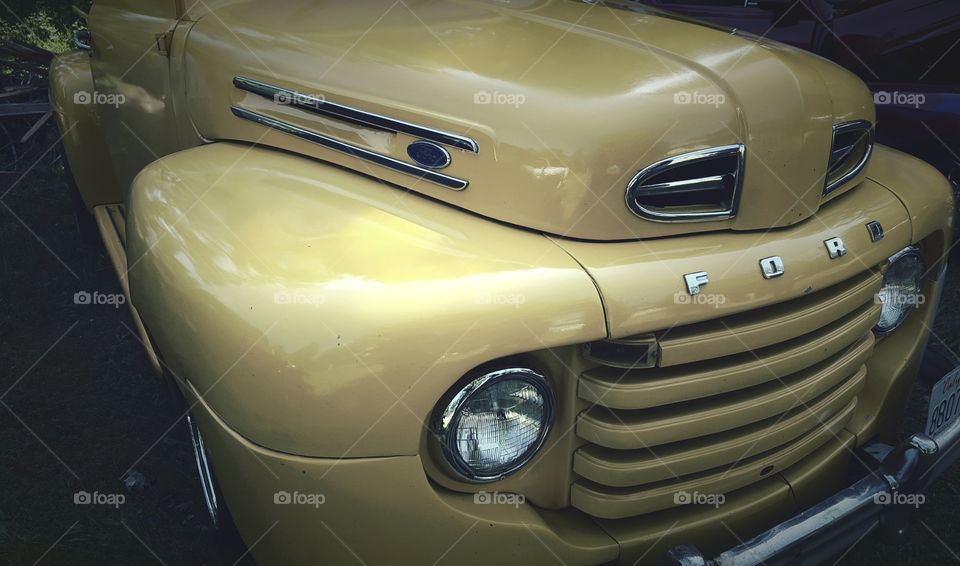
column 133, row 93
column 627, row 468
column 824, row 472
column 616, row 503
column 81, row 130
column 750, row 331
column 652, row 427
column 557, row 148
column 645, row 539
column 614, row 388
column 925, row 193
column 355, row 520
column 310, row 205
column 642, row 282
column 318, row 307
column 308, row 302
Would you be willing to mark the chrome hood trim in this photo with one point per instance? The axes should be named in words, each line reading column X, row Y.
column 331, row 109
column 358, row 152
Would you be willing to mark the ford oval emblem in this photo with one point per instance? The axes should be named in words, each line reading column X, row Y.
column 428, row 154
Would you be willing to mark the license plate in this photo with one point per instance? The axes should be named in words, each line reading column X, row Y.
column 944, row 403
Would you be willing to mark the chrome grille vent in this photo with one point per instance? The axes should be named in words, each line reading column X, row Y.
column 852, row 146
column 701, row 185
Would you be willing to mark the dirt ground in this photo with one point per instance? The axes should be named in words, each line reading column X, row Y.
column 80, row 411
column 80, row 406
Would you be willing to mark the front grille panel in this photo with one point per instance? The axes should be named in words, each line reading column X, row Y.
column 731, row 401
column 747, row 331
column 609, row 502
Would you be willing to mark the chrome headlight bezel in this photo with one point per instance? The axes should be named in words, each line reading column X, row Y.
column 908, row 253
column 447, row 416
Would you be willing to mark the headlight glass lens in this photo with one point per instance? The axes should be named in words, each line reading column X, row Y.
column 901, row 291
column 496, row 423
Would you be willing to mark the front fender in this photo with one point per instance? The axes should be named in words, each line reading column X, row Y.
column 323, row 313
column 924, row 191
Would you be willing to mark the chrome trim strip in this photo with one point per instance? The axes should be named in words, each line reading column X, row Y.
column 352, row 150
column 207, row 483
column 842, row 128
column 335, row 110
column 634, row 187
column 686, row 186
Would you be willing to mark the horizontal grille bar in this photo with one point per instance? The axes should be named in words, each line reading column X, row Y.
column 748, row 331
column 619, row 389
column 617, row 502
column 622, row 468
column 660, row 425
column 721, row 404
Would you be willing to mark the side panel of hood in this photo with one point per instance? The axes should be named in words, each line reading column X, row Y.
column 566, row 101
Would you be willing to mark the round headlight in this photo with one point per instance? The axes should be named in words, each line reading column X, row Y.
column 495, row 424
column 901, row 291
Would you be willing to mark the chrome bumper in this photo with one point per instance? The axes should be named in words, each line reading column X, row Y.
column 833, row 525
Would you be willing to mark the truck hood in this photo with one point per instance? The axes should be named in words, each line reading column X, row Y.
column 547, row 109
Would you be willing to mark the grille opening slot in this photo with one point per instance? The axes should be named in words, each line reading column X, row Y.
column 702, row 185
column 849, row 154
column 627, row 353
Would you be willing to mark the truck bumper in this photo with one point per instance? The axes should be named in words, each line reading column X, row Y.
column 839, row 522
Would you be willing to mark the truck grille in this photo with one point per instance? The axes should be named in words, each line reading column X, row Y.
column 729, row 402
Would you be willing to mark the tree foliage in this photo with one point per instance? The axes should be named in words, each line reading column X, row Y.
column 45, row 23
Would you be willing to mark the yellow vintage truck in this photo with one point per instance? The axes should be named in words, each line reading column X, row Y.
column 514, row 281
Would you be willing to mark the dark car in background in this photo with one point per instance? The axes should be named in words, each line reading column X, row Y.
column 905, row 50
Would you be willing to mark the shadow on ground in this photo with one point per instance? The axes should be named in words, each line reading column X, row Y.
column 80, row 408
